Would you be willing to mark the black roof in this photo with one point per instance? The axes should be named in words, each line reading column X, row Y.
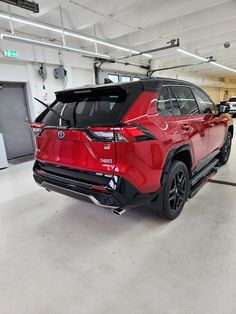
column 166, row 79
column 148, row 84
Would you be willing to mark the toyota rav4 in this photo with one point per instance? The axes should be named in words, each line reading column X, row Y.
column 152, row 142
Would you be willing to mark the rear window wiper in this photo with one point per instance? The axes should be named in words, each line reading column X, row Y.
column 54, row 111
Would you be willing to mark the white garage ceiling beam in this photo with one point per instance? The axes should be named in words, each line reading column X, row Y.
column 106, row 13
column 187, row 39
column 201, row 19
column 223, row 14
column 46, row 6
column 216, row 40
column 155, row 12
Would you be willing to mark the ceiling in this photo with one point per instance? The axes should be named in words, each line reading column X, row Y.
column 202, row 26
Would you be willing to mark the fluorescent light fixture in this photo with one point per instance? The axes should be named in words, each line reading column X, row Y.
column 191, row 54
column 68, row 33
column 223, row 67
column 147, row 55
column 204, row 59
column 50, row 45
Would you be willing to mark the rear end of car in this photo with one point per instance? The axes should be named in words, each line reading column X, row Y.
column 88, row 143
column 232, row 105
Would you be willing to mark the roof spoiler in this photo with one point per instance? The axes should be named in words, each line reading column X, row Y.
column 73, row 94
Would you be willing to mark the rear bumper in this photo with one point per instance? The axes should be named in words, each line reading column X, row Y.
column 100, row 189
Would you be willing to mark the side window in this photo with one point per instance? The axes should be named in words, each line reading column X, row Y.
column 187, row 103
column 125, row 78
column 206, row 106
column 175, row 105
column 113, row 77
column 163, row 103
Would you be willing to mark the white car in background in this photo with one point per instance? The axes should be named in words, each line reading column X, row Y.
column 232, row 104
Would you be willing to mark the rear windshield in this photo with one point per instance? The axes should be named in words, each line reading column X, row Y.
column 100, row 108
column 232, row 99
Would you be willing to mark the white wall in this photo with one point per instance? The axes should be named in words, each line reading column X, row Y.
column 81, row 72
column 25, row 69
column 82, row 76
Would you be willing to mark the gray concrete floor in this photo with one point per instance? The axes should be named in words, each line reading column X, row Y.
column 59, row 255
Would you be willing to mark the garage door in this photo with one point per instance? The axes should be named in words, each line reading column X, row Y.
column 14, row 121
column 81, row 77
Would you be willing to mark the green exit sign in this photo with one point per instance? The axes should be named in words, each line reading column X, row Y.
column 10, row 53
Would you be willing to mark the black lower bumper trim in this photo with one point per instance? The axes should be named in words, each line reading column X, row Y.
column 85, row 194
column 119, row 194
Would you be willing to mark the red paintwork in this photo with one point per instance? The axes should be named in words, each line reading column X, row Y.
column 140, row 163
column 76, row 150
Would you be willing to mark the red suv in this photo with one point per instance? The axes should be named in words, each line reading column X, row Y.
column 152, row 142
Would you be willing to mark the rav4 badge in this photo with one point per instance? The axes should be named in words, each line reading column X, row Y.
column 108, row 161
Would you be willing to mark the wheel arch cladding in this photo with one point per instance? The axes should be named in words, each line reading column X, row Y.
column 182, row 153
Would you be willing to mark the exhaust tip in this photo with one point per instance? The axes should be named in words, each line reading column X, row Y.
column 119, row 211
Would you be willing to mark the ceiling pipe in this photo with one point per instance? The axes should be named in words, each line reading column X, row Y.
column 173, row 43
column 149, row 73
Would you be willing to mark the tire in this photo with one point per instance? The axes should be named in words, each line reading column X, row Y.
column 174, row 194
column 225, row 149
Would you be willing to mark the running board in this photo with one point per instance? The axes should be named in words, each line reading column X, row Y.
column 201, row 178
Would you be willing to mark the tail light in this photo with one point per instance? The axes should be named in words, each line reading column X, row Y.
column 36, row 128
column 129, row 133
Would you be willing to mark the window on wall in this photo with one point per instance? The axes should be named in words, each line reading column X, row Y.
column 186, row 100
column 206, row 106
column 113, row 77
column 136, row 79
column 164, row 103
column 125, row 78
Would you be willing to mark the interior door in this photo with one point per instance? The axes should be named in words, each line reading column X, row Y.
column 14, row 121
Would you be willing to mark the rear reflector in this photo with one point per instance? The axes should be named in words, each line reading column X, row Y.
column 36, row 128
column 98, row 188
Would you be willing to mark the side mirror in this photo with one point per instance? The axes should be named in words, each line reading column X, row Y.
column 207, row 111
column 223, row 108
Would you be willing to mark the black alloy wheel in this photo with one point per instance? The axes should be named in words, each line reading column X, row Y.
column 174, row 192
column 226, row 149
column 177, row 191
